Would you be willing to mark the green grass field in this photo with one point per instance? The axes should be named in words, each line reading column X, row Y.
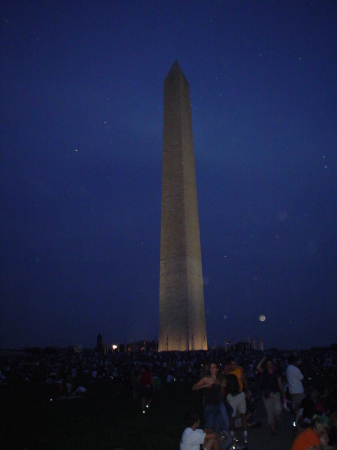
column 106, row 418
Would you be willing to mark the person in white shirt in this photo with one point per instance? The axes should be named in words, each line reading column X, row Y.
column 193, row 436
column 294, row 378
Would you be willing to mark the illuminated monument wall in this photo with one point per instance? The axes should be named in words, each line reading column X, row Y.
column 182, row 324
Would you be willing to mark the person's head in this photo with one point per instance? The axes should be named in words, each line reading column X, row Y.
column 232, row 386
column 191, row 419
column 319, row 426
column 213, row 368
column 231, row 363
column 292, row 359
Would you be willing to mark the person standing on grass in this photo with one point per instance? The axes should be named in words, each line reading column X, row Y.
column 136, row 375
column 238, row 400
column 294, row 378
column 212, row 383
column 271, row 387
column 146, row 388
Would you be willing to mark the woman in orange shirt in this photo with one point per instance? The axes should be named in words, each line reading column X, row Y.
column 313, row 436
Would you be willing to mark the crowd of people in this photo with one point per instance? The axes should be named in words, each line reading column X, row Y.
column 303, row 382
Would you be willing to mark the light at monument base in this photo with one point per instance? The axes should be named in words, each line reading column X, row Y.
column 262, row 318
column 78, row 348
column 114, row 347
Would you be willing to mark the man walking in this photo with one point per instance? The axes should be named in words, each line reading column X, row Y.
column 294, row 378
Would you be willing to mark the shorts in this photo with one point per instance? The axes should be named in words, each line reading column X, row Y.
column 238, row 403
column 298, row 398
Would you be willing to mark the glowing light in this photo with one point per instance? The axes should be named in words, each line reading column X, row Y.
column 78, row 348
column 262, row 318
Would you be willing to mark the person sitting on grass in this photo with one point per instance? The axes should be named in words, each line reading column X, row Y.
column 194, row 438
column 315, row 436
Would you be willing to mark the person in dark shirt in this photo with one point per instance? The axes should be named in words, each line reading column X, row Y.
column 146, row 388
column 271, row 387
column 136, row 376
column 212, row 383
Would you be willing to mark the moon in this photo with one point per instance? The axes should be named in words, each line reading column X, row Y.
column 262, row 318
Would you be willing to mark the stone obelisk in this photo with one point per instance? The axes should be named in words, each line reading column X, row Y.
column 182, row 324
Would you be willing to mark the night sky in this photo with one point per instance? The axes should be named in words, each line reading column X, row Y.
column 81, row 150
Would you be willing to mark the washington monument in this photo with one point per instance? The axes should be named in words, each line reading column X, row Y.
column 182, row 324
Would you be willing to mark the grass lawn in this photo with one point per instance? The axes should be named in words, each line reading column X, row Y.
column 107, row 417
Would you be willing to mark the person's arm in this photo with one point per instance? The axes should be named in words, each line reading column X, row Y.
column 281, row 386
column 300, row 374
column 204, row 382
column 245, row 383
column 259, row 366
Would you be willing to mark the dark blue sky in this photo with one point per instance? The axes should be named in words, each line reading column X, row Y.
column 81, row 142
